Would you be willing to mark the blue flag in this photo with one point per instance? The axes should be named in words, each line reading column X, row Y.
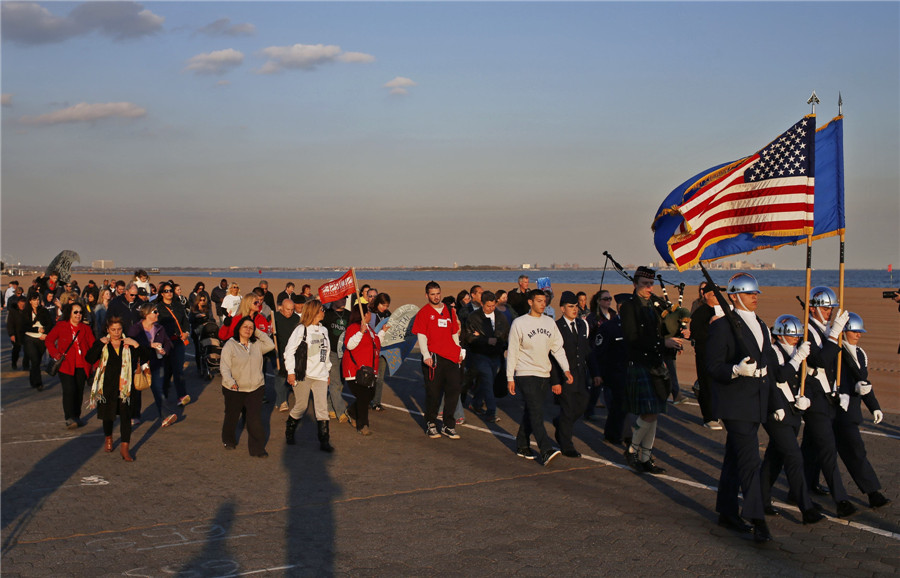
column 828, row 206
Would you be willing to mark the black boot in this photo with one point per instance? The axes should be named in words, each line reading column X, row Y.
column 324, row 437
column 290, row 426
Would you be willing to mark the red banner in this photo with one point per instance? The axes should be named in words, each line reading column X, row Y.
column 337, row 289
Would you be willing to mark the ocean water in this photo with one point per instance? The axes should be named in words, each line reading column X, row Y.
column 767, row 277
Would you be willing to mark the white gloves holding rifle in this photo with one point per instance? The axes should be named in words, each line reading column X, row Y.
column 863, row 387
column 802, row 403
column 837, row 324
column 799, row 355
column 746, row 368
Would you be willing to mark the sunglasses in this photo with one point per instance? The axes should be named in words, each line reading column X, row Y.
column 76, row 312
column 133, row 294
column 606, row 299
column 154, row 312
column 257, row 302
column 166, row 291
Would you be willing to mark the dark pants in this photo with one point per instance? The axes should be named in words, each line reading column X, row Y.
column 704, row 397
column 783, row 451
column 820, row 452
column 174, row 369
column 251, row 403
column 572, row 401
column 852, row 450
column 442, row 380
column 379, row 381
column 484, row 370
column 533, row 391
column 124, row 422
column 72, row 392
column 740, row 471
column 359, row 409
column 614, row 397
column 16, row 349
column 674, row 388
column 34, row 353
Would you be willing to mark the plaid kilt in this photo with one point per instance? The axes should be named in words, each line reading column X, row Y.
column 640, row 397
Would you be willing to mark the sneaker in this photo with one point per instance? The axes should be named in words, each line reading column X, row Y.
column 651, row 468
column 696, row 389
column 71, row 424
column 364, row 431
column 184, row 400
column 475, row 410
column 460, row 420
column 331, row 414
column 284, row 407
column 547, row 457
column 346, row 417
column 170, row 420
column 378, row 407
column 491, row 418
column 450, row 433
column 680, row 399
column 135, row 422
column 526, row 453
column 714, row 425
column 431, row 431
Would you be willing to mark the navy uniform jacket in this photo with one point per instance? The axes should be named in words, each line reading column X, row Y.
column 610, row 356
column 578, row 352
column 822, row 359
column 740, row 398
column 853, row 370
column 782, row 372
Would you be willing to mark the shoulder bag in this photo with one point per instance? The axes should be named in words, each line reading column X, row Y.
column 53, row 367
column 301, row 356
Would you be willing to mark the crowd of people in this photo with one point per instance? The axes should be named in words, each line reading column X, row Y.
column 476, row 347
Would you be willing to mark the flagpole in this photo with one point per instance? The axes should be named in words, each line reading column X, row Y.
column 362, row 313
column 837, row 383
column 806, row 309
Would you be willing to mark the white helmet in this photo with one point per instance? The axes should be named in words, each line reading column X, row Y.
column 788, row 326
column 855, row 323
column 822, row 297
column 742, row 283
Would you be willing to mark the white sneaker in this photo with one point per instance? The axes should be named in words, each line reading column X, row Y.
column 714, row 425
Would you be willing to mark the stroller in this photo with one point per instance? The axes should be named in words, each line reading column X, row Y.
column 210, row 349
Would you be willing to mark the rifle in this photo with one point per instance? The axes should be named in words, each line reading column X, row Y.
column 737, row 325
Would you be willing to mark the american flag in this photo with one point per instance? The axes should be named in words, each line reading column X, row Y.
column 769, row 193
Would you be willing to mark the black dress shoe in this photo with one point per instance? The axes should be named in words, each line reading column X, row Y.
column 812, row 516
column 771, row 510
column 650, row 467
column 613, row 441
column 761, row 532
column 845, row 508
column 877, row 499
column 734, row 522
column 631, row 460
column 571, row 453
column 820, row 490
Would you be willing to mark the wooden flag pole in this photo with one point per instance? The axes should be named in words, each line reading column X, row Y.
column 806, row 309
column 362, row 314
column 837, row 383
column 275, row 339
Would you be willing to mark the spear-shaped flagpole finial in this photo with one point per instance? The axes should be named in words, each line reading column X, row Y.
column 813, row 100
column 840, row 105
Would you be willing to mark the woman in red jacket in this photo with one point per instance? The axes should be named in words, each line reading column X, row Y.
column 361, row 348
column 72, row 338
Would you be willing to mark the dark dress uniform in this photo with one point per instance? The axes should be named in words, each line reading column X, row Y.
column 574, row 396
column 612, row 361
column 849, row 442
column 818, row 445
column 742, row 404
column 783, row 450
column 700, row 321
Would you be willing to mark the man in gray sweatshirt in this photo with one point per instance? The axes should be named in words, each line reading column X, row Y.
column 532, row 339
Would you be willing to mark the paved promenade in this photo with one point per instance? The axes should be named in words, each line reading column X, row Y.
column 395, row 503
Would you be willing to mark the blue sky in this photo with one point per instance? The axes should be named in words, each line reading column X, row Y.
column 420, row 133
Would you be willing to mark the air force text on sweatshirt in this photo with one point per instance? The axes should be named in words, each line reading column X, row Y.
column 531, row 341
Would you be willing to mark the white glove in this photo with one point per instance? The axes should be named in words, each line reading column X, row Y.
column 778, row 415
column 837, row 324
column 746, row 368
column 863, row 387
column 799, row 355
column 878, row 415
column 802, row 403
column 844, row 400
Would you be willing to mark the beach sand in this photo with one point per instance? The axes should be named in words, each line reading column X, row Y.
column 881, row 317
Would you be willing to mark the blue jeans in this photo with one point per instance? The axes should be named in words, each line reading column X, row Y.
column 533, row 390
column 485, row 369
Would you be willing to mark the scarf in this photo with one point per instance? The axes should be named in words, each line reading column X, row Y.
column 124, row 378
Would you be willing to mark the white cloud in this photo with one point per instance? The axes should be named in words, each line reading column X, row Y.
column 31, row 23
column 399, row 85
column 86, row 112
column 224, row 27
column 216, row 62
column 307, row 57
column 6, row 99
column 400, row 82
